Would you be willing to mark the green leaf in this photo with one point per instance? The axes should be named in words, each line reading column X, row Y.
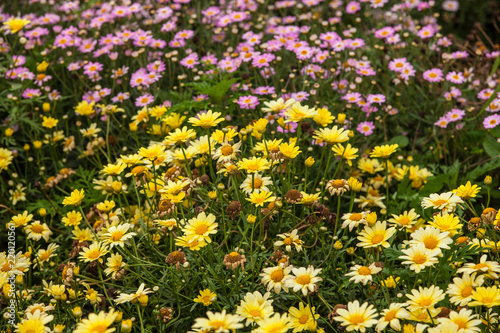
column 491, row 146
column 401, row 140
column 434, row 184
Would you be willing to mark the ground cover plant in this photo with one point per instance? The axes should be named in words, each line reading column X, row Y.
column 250, row 166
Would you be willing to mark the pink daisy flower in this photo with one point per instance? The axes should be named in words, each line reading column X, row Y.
column 455, row 115
column 433, row 75
column 288, row 127
column 442, row 122
column 248, row 102
column 485, row 94
column 144, row 100
column 375, row 98
column 491, row 121
column 352, row 7
column 365, row 128
column 455, row 77
column 398, row 64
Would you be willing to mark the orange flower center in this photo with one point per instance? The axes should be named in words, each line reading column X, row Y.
column 419, row 259
column 364, row 271
column 303, row 279
column 430, row 243
column 377, row 239
column 277, row 275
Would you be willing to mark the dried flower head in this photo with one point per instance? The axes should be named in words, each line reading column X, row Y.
column 337, row 186
column 234, row 259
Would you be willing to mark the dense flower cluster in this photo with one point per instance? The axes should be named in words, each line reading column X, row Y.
column 251, row 166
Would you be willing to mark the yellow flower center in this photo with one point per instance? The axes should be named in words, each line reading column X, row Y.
column 390, row 315
column 255, row 313
column 357, row 319
column 419, row 259
column 425, row 302
column 467, row 291
column 364, row 271
column 234, row 254
column 45, row 256
column 6, row 267
column 430, row 243
column 404, row 220
column 356, row 217
column 277, row 275
column 487, row 300
column 94, row 254
column 461, row 323
column 303, row 279
column 303, row 319
column 227, row 150
column 37, row 228
column 217, row 324
column 440, row 202
column 201, row 229
column 257, row 183
column 116, row 236
column 433, row 75
column 377, row 239
column 288, row 241
column 480, row 266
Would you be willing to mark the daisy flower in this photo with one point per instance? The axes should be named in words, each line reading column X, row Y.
column 491, row 268
column 445, row 202
column 491, row 121
column 37, row 231
column 140, row 293
column 433, row 75
column 356, row 317
column 226, row 151
column 206, row 119
column 302, row 318
column 206, row 297
column 275, row 324
column 432, row 238
column 117, row 235
column 455, row 77
column 418, row 257
column 486, row 296
column 363, row 274
column 220, row 322
column 304, row 279
column 425, row 298
column 352, row 220
column 391, row 317
column 274, row 277
column 460, row 291
column 201, row 227
column 290, row 239
column 94, row 252
column 97, row 322
column 254, row 307
column 466, row 321
column 366, row 128
column 376, row 235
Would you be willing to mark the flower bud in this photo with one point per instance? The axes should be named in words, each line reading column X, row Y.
column 487, row 180
column 309, row 161
column 9, row 132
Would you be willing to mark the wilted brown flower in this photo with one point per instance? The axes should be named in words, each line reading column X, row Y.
column 293, row 196
column 165, row 314
column 234, row 209
column 333, row 313
column 474, row 223
column 176, row 258
column 488, row 215
column 172, row 173
column 234, row 259
column 337, row 186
